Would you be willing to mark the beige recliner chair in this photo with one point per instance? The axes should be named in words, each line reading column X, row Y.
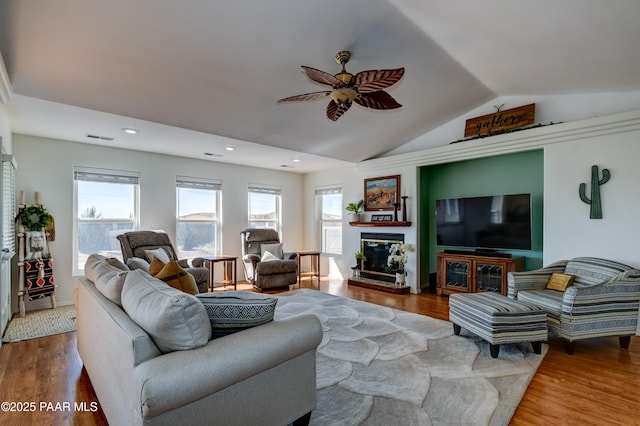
column 280, row 271
column 133, row 245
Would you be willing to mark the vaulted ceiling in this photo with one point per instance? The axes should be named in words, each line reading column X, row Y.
column 201, row 76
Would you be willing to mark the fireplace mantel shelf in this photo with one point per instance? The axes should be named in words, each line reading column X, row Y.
column 380, row 223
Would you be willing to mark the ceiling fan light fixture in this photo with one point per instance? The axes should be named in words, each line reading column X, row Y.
column 365, row 88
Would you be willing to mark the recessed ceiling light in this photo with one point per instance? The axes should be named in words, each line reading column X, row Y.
column 230, row 148
column 296, row 160
column 130, row 130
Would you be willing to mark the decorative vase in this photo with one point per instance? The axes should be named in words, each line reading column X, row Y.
column 356, row 271
column 354, row 217
column 400, row 279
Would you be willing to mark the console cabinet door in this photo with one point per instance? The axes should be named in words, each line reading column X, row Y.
column 455, row 274
column 490, row 276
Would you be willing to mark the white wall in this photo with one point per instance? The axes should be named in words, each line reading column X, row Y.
column 352, row 182
column 568, row 231
column 46, row 165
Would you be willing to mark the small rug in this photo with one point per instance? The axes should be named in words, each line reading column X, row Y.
column 45, row 322
column 381, row 366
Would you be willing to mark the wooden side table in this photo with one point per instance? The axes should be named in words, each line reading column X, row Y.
column 314, row 262
column 229, row 269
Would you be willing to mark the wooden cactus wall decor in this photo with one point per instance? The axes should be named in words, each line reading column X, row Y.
column 594, row 201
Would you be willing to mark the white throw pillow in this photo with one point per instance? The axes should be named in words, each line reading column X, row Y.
column 267, row 256
column 160, row 253
column 274, row 249
column 174, row 319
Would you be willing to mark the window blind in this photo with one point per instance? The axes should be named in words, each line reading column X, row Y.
column 328, row 191
column 8, row 206
column 198, row 183
column 265, row 189
column 104, row 175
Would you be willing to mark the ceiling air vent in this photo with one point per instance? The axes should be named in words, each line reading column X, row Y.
column 102, row 138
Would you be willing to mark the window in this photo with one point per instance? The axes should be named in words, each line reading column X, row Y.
column 264, row 207
column 106, row 205
column 198, row 224
column 329, row 202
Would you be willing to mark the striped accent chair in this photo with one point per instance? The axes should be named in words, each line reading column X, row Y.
column 602, row 301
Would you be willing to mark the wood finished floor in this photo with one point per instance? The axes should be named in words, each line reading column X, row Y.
column 599, row 385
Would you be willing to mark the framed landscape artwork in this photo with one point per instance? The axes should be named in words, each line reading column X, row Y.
column 381, row 193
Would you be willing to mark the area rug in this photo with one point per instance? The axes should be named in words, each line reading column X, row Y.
column 381, row 366
column 40, row 323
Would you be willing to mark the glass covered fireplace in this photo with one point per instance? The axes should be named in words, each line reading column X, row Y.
column 375, row 247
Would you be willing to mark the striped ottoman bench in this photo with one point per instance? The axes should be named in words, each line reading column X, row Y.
column 498, row 319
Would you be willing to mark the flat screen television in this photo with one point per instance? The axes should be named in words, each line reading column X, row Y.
column 491, row 222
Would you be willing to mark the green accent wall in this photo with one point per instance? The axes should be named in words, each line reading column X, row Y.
column 518, row 173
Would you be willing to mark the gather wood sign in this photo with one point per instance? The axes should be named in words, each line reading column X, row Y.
column 501, row 120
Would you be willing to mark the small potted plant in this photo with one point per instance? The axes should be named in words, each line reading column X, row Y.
column 354, row 210
column 360, row 258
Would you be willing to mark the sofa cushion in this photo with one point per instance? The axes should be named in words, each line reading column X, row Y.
column 115, row 262
column 155, row 266
column 550, row 301
column 109, row 281
column 159, row 252
column 91, row 264
column 174, row 319
column 177, row 277
column 590, row 271
column 559, row 282
column 234, row 311
column 137, row 263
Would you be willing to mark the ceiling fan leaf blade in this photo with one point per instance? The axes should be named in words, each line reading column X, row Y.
column 322, row 77
column 335, row 110
column 313, row 96
column 374, row 80
column 377, row 100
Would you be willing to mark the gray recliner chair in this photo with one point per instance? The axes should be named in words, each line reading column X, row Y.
column 133, row 245
column 279, row 273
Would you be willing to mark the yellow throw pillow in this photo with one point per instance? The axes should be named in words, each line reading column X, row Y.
column 178, row 278
column 155, row 266
column 559, row 282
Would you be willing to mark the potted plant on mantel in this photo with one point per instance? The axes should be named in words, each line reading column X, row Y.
column 355, row 209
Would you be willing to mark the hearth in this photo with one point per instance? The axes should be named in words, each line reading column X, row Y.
column 375, row 246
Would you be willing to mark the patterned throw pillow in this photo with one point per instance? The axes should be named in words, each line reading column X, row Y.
column 559, row 282
column 234, row 311
column 178, row 278
column 155, row 266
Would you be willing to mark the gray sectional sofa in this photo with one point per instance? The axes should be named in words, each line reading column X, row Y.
column 173, row 374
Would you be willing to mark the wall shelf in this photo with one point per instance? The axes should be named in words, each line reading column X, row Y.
column 380, row 223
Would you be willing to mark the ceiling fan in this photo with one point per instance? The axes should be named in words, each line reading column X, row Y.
column 364, row 88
